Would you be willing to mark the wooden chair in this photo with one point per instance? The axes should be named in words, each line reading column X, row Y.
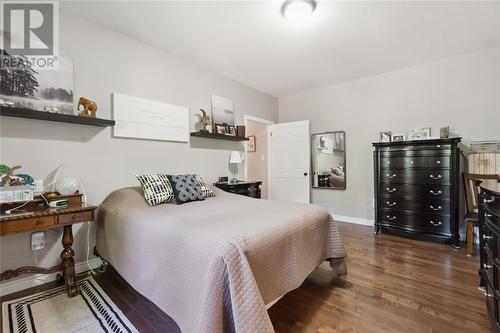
column 471, row 183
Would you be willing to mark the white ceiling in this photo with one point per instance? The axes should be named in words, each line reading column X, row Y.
column 250, row 42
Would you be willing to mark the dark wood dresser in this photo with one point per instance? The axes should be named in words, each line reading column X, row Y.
column 248, row 188
column 489, row 242
column 417, row 188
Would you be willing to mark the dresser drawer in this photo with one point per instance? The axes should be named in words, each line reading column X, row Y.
column 490, row 239
column 429, row 223
column 436, row 162
column 29, row 224
column 491, row 299
column 415, row 176
column 441, row 192
column 75, row 217
column 422, row 205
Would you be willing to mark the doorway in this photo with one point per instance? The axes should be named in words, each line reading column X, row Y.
column 256, row 161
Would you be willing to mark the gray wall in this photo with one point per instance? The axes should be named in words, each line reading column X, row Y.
column 107, row 62
column 462, row 92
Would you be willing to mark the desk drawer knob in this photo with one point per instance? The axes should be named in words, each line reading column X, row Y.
column 39, row 222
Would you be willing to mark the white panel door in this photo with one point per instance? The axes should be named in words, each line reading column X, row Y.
column 289, row 161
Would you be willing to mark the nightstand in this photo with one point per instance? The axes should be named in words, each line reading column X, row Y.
column 247, row 188
column 38, row 217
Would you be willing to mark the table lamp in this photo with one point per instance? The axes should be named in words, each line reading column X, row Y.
column 235, row 159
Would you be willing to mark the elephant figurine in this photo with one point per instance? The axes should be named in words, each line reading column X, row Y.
column 89, row 108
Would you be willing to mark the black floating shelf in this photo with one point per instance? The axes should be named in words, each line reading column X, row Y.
column 217, row 136
column 58, row 117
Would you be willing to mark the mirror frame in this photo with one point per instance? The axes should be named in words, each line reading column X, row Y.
column 312, row 163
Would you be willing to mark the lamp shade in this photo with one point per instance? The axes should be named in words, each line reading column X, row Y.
column 235, row 157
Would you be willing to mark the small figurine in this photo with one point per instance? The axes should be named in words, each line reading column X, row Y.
column 89, row 107
column 204, row 121
column 7, row 177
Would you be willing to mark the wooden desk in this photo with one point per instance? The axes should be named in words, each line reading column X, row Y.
column 48, row 218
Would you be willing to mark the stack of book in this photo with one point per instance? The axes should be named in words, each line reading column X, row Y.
column 481, row 147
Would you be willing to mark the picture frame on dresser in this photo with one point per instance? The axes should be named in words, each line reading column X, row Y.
column 417, row 188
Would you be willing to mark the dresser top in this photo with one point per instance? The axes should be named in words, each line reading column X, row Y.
column 46, row 212
column 418, row 142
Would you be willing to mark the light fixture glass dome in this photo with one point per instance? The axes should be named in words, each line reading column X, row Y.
column 297, row 11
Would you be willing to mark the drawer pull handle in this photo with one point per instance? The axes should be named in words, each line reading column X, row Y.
column 391, row 176
column 436, row 177
column 488, row 295
column 436, row 224
column 391, row 204
column 488, row 266
column 436, row 193
column 487, row 215
column 438, row 146
column 391, row 190
column 391, row 218
column 487, row 237
column 40, row 222
column 438, row 162
column 411, row 162
column 435, row 208
column 388, row 162
column 388, row 148
column 489, row 201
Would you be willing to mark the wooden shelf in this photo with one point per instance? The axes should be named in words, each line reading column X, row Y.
column 217, row 136
column 57, row 117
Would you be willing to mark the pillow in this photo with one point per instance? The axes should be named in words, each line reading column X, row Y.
column 186, row 188
column 205, row 188
column 157, row 189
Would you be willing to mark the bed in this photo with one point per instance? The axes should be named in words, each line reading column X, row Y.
column 213, row 265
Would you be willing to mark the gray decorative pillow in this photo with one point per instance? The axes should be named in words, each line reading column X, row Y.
column 186, row 188
column 157, row 189
column 205, row 188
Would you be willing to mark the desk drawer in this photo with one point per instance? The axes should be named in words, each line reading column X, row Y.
column 28, row 224
column 71, row 218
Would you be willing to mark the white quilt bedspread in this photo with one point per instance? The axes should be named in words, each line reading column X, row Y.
column 212, row 265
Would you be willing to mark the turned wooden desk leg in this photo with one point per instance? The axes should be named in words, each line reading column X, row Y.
column 68, row 263
column 470, row 237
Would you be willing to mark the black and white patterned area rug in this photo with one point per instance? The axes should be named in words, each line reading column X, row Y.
column 53, row 311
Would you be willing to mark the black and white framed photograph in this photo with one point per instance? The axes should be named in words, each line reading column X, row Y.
column 419, row 133
column 251, row 147
column 398, row 138
column 231, row 130
column 220, row 129
column 385, row 136
column 41, row 90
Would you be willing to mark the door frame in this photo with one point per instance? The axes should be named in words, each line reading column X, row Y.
column 246, row 118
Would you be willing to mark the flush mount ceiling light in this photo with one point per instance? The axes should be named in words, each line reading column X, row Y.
column 298, row 10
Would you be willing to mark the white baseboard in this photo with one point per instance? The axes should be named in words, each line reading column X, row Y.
column 33, row 280
column 351, row 219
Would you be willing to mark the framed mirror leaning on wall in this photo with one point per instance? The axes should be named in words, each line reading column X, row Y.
column 328, row 160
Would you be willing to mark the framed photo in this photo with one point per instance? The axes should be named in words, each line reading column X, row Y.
column 420, row 133
column 398, row 138
column 251, row 147
column 231, row 130
column 385, row 136
column 220, row 129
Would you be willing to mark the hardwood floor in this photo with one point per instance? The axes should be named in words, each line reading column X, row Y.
column 393, row 285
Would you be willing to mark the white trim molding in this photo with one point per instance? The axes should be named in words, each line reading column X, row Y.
column 351, row 219
column 33, row 280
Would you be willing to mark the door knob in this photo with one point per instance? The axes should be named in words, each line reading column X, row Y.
column 305, row 173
